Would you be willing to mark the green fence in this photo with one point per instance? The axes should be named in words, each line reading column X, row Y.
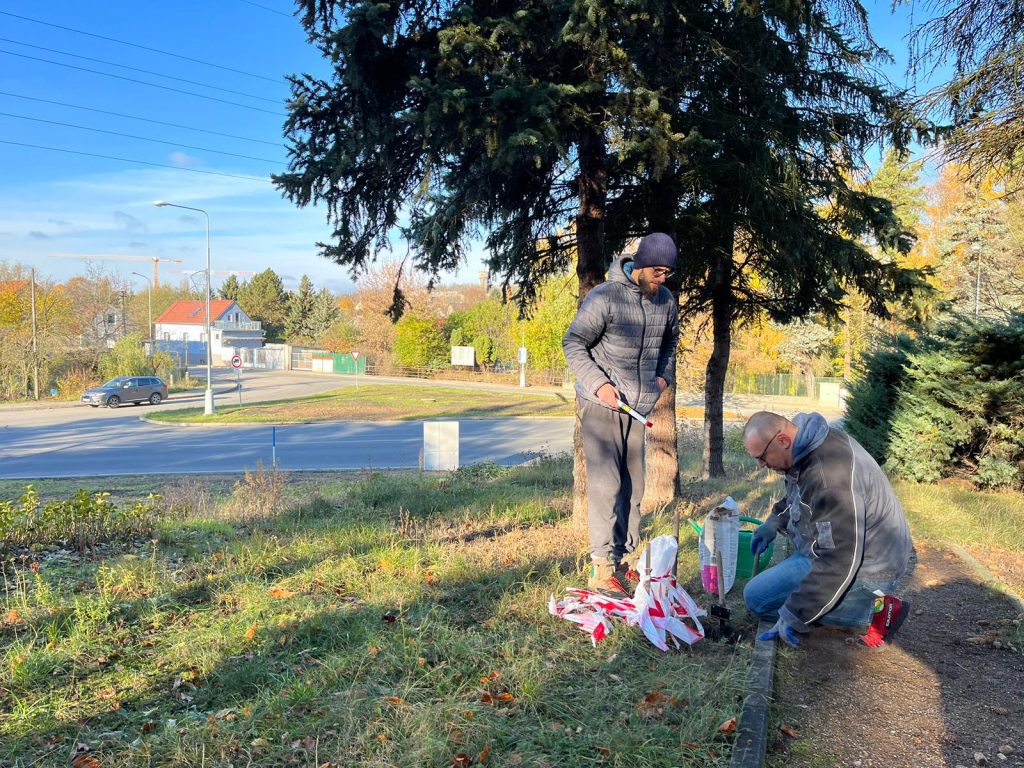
column 349, row 364
column 788, row 384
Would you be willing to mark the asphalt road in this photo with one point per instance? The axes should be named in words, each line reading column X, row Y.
column 79, row 441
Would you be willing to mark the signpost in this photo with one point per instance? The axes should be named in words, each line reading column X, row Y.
column 236, row 363
column 522, row 366
column 355, row 359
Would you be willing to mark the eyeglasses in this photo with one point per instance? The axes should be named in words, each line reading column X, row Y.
column 662, row 272
column 769, row 445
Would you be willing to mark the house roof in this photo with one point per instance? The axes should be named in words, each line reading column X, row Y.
column 189, row 312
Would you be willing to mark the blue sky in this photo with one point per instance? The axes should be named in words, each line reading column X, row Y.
column 68, row 194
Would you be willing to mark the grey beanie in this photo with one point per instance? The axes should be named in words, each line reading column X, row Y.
column 655, row 250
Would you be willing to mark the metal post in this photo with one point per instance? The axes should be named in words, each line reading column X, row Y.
column 149, row 291
column 35, row 348
column 208, row 402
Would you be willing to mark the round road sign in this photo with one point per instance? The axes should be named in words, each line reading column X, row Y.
column 236, row 361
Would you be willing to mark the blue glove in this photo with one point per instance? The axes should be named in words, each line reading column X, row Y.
column 764, row 535
column 782, row 631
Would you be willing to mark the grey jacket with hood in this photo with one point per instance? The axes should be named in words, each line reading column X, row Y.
column 842, row 514
column 622, row 337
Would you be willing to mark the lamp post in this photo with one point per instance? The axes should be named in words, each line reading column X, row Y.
column 208, row 403
column 149, row 292
column 976, row 247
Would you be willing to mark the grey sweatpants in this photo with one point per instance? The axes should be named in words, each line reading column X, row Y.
column 613, row 448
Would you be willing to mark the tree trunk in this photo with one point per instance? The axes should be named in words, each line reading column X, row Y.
column 590, row 271
column 718, row 363
column 661, row 473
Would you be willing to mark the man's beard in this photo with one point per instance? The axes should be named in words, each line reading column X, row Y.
column 647, row 288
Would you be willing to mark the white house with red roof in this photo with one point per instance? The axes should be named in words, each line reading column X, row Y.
column 232, row 330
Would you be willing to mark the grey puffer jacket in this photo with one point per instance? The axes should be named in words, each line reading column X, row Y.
column 620, row 336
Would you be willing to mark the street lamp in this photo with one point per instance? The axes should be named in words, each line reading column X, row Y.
column 976, row 247
column 149, row 291
column 208, row 403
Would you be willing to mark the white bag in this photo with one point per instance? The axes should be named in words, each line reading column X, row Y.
column 721, row 531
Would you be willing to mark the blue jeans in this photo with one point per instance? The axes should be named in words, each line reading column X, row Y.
column 767, row 592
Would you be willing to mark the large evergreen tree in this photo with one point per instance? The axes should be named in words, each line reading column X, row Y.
column 263, row 298
column 568, row 127
column 297, row 322
column 767, row 211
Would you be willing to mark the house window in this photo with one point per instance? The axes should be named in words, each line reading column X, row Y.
column 110, row 318
column 184, row 336
column 167, row 336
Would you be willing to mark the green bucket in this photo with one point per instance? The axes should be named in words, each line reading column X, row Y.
column 745, row 560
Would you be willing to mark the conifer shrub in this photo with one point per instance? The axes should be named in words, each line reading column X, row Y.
column 948, row 403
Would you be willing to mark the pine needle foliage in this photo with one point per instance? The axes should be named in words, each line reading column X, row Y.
column 950, row 403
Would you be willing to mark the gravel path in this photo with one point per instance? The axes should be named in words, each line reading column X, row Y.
column 948, row 694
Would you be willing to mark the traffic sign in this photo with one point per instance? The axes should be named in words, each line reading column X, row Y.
column 236, row 361
column 355, row 356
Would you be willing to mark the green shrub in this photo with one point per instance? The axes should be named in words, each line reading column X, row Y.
column 947, row 403
column 83, row 520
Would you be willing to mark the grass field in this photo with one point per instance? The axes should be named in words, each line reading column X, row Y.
column 393, row 402
column 372, row 619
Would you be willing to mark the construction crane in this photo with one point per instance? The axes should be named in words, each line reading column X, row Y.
column 116, row 257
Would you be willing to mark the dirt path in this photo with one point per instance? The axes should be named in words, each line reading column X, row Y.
column 942, row 694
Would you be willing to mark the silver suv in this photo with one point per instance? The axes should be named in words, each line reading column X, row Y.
column 127, row 389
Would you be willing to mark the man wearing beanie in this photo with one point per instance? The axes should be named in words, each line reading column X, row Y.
column 622, row 347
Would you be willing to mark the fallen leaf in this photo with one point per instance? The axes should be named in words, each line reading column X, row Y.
column 728, row 726
column 484, row 754
column 421, row 662
column 148, row 727
column 396, row 700
column 250, row 633
column 514, row 759
column 788, row 730
column 13, row 617
column 389, row 618
column 373, row 650
column 260, row 742
column 506, row 696
column 429, row 578
column 461, row 760
column 281, row 593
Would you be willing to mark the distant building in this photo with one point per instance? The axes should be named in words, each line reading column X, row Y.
column 182, row 328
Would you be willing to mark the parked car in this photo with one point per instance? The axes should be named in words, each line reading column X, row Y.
column 127, row 389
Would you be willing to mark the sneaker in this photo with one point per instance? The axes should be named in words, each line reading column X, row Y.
column 885, row 623
column 605, row 578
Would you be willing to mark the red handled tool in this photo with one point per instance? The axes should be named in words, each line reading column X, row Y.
column 626, row 409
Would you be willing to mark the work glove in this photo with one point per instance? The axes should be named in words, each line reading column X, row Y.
column 784, row 631
column 765, row 535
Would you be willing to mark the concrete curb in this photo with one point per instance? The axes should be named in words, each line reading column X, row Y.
column 752, row 740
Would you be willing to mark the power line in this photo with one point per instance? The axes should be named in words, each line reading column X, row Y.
column 136, row 117
column 144, row 71
column 267, row 8
column 142, row 82
column 140, row 138
column 142, row 47
column 138, row 162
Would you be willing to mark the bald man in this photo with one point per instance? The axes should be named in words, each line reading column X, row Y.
column 853, row 552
